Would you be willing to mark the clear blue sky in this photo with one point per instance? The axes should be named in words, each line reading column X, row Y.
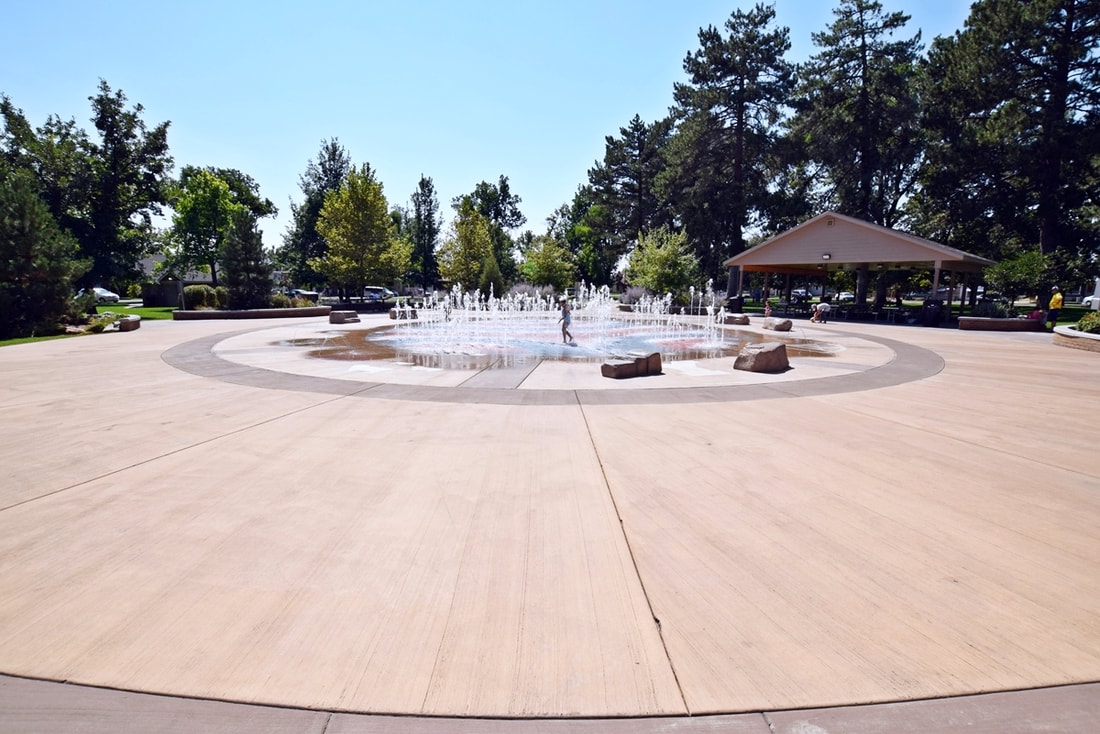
column 461, row 92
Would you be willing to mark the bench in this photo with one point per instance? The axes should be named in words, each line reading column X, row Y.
column 637, row 364
column 129, row 323
column 343, row 317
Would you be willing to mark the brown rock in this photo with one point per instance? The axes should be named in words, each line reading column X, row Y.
column 771, row 357
column 619, row 369
column 777, row 324
column 649, row 363
column 343, row 317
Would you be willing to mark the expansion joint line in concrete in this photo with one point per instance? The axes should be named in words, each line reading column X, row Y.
column 173, row 452
column 633, row 559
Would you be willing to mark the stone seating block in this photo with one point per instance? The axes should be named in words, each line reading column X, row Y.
column 775, row 324
column 737, row 319
column 403, row 313
column 343, row 317
column 129, row 323
column 649, row 363
column 618, row 369
column 762, row 357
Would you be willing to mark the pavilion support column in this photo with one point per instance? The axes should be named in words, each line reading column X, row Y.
column 862, row 283
column 734, row 288
column 950, row 292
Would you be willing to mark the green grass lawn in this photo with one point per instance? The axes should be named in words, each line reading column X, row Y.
column 154, row 313
column 28, row 339
column 157, row 313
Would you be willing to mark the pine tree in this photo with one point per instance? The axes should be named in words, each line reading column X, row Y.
column 247, row 267
column 38, row 262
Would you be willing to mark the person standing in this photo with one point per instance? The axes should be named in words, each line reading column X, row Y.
column 566, row 318
column 1054, row 307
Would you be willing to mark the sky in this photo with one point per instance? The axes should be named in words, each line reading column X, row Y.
column 460, row 92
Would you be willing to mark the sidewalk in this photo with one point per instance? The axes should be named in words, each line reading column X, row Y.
column 190, row 518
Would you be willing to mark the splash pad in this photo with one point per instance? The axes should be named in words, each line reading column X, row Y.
column 458, row 330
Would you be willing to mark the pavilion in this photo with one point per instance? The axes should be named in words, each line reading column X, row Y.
column 830, row 242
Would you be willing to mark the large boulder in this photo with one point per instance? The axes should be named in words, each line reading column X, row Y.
column 129, row 322
column 619, row 369
column 775, row 324
column 649, row 363
column 763, row 357
column 343, row 317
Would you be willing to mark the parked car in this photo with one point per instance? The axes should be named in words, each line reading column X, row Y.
column 1090, row 301
column 845, row 296
column 377, row 293
column 102, row 295
column 302, row 293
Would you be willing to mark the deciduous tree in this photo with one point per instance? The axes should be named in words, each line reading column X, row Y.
column 128, row 184
column 362, row 245
column 205, row 210
column 500, row 208
column 463, row 254
column 302, row 242
column 663, row 262
column 548, row 262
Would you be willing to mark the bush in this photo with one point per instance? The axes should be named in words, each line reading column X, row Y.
column 199, row 296
column 280, row 300
column 994, row 310
column 99, row 322
column 221, row 297
column 1090, row 323
column 632, row 295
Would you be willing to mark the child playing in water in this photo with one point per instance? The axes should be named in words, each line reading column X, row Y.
column 566, row 317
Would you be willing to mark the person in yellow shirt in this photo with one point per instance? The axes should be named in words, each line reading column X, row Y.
column 1054, row 307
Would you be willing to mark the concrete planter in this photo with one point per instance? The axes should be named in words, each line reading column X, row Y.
column 255, row 313
column 981, row 323
column 1069, row 336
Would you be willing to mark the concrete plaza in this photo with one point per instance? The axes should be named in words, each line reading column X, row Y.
column 199, row 523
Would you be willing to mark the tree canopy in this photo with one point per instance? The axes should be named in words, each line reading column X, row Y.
column 363, row 247
column 463, row 254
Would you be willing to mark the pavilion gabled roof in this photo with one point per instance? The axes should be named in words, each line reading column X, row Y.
column 832, row 241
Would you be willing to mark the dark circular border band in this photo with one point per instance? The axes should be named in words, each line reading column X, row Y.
column 909, row 363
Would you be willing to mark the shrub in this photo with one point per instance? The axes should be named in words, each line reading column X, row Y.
column 632, row 295
column 99, row 322
column 994, row 310
column 199, row 296
column 221, row 297
column 1090, row 323
column 280, row 300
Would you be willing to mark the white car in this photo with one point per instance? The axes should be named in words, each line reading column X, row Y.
column 845, row 296
column 1090, row 301
column 102, row 295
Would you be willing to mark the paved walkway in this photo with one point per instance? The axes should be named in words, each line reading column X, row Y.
column 190, row 513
